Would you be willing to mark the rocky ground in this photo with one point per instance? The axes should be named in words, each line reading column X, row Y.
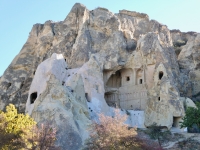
column 184, row 141
column 172, row 141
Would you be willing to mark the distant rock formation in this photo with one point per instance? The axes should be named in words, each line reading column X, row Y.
column 94, row 61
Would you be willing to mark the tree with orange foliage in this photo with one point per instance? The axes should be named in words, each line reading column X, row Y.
column 113, row 134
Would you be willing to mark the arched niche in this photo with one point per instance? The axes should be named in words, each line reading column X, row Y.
column 160, row 75
column 139, row 77
column 115, row 80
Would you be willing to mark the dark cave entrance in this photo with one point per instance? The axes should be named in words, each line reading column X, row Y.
column 176, row 121
column 160, row 75
column 33, row 97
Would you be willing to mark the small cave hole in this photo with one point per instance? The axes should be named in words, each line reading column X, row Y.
column 65, row 60
column 86, row 96
column 140, row 81
column 160, row 75
column 63, row 83
column 68, row 75
column 33, row 72
column 127, row 78
column 33, row 97
column 158, row 98
column 66, row 68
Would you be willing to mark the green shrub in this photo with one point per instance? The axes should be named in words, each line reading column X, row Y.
column 14, row 128
column 19, row 131
column 192, row 117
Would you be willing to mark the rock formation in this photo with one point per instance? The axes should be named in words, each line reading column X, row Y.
column 70, row 71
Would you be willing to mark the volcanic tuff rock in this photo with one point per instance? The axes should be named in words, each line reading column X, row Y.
column 124, row 60
column 63, row 106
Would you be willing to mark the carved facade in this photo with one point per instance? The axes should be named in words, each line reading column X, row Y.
column 126, row 88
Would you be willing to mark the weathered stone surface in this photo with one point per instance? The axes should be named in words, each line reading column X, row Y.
column 64, row 107
column 123, row 60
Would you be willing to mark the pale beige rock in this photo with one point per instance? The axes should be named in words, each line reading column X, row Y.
column 188, row 102
column 50, row 100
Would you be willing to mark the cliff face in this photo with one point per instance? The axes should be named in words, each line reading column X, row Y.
column 123, row 59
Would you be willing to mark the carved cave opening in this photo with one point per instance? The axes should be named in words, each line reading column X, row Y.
column 127, row 78
column 139, row 76
column 87, row 97
column 176, row 121
column 140, row 81
column 158, row 98
column 160, row 75
column 111, row 99
column 33, row 97
column 115, row 80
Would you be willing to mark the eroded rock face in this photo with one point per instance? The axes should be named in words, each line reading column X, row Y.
column 64, row 107
column 123, row 60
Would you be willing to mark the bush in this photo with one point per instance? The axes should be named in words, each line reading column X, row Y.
column 14, row 128
column 44, row 137
column 19, row 131
column 113, row 134
column 192, row 117
column 9, row 140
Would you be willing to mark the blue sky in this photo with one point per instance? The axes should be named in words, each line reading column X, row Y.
column 18, row 16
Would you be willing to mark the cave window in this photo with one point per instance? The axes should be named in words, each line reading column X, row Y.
column 86, row 96
column 128, row 78
column 33, row 97
column 140, row 81
column 160, row 75
column 158, row 98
